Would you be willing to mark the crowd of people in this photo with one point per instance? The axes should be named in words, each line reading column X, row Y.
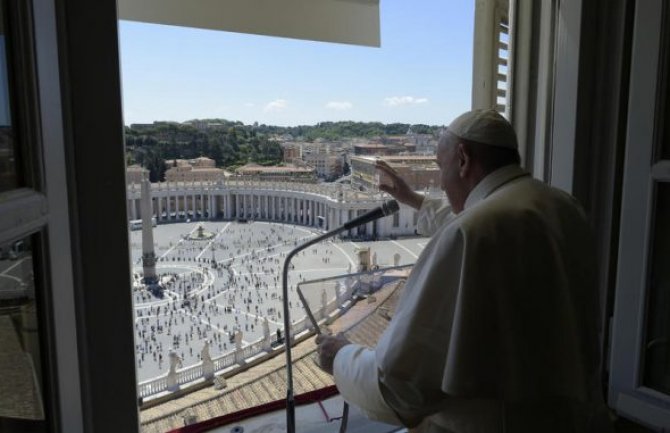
column 214, row 290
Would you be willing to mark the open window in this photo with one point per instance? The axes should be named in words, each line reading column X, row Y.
column 639, row 364
column 58, row 189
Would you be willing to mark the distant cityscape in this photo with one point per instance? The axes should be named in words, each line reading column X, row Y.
column 342, row 152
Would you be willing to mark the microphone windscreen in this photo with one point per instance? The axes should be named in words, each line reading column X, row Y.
column 391, row 207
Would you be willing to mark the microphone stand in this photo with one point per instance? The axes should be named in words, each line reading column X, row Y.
column 290, row 401
column 386, row 209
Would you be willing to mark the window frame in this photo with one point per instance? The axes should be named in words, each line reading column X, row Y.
column 28, row 212
column 627, row 394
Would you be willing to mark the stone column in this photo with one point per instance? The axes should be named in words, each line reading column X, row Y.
column 275, row 208
column 171, row 204
column 324, row 213
column 295, row 211
column 148, row 255
column 194, row 205
column 313, row 206
column 158, row 209
column 329, row 217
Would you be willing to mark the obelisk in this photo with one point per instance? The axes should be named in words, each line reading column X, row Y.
column 148, row 255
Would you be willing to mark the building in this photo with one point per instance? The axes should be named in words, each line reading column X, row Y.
column 420, row 172
column 279, row 173
column 291, row 152
column 328, row 166
column 425, row 144
column 370, row 149
column 392, row 145
column 585, row 88
column 205, row 125
column 136, row 174
column 193, row 170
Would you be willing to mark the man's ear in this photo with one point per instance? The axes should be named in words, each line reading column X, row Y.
column 464, row 160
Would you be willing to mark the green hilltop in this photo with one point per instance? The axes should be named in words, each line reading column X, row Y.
column 233, row 143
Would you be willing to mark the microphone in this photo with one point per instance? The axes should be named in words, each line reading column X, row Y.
column 388, row 208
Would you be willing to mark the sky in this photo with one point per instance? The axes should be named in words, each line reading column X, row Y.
column 422, row 73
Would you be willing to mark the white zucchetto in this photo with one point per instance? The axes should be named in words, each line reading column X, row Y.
column 485, row 126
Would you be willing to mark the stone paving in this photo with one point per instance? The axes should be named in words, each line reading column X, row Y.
column 207, row 303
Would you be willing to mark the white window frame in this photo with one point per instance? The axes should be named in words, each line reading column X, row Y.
column 627, row 394
column 42, row 210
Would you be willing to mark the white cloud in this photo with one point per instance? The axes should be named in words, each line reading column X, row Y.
column 339, row 105
column 397, row 101
column 276, row 105
column 249, row 104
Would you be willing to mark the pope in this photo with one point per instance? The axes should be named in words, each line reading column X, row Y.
column 498, row 326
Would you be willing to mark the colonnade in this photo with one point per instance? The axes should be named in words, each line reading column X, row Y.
column 218, row 202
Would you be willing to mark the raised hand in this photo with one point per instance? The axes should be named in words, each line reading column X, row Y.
column 392, row 183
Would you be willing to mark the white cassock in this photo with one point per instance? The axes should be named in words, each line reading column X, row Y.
column 498, row 327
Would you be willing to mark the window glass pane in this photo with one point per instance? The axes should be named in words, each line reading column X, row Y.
column 21, row 387
column 657, row 347
column 8, row 155
column 21, row 391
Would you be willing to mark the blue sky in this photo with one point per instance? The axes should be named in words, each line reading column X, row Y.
column 421, row 74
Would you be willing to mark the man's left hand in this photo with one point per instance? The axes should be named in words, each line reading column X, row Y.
column 327, row 347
